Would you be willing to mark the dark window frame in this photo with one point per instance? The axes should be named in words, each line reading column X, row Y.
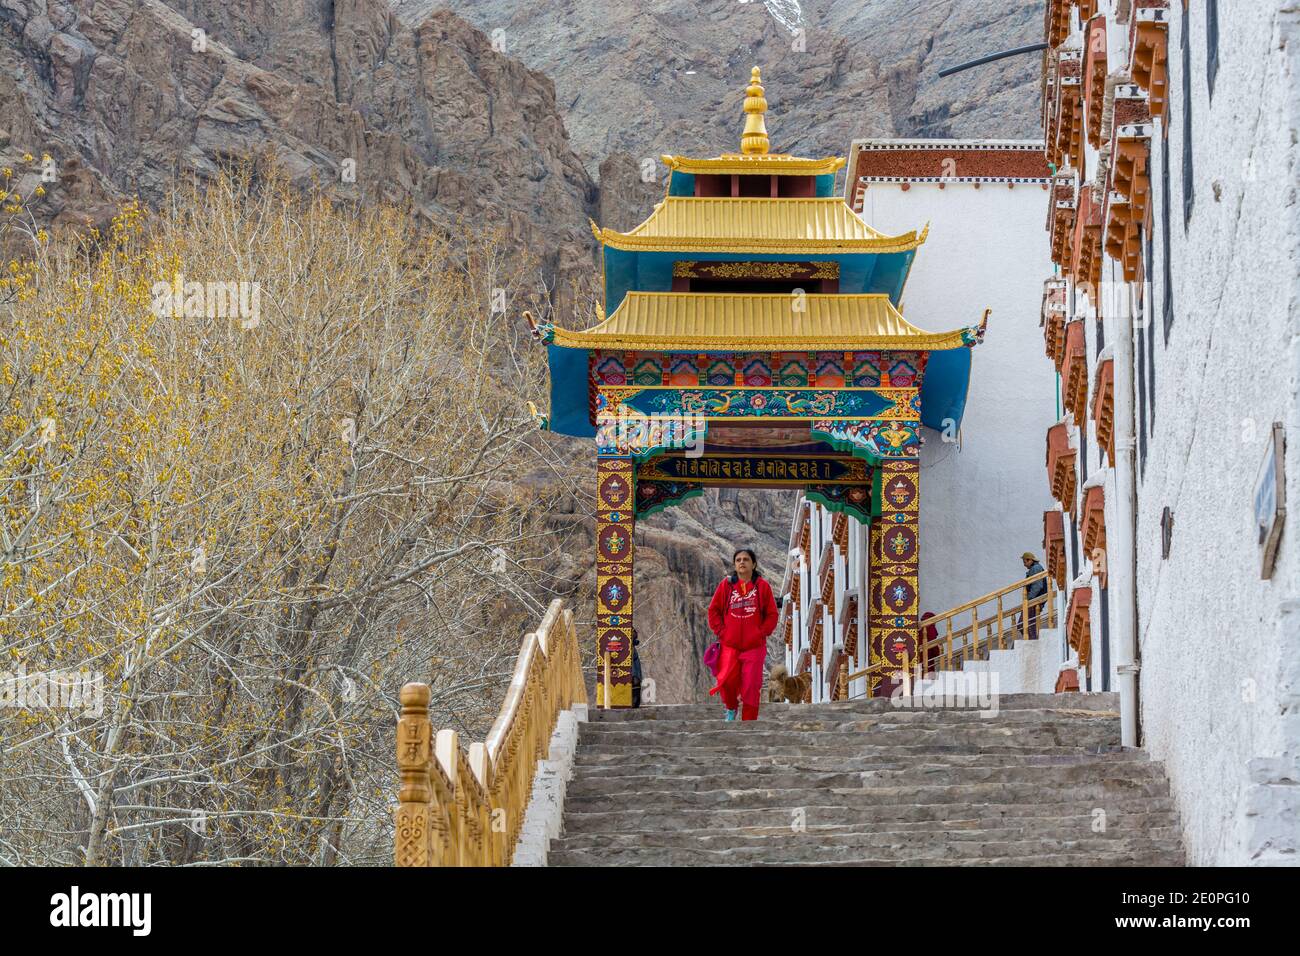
column 1083, row 450
column 1166, row 253
column 1189, row 190
column 1151, row 383
column 1211, row 43
column 1146, row 304
column 1142, row 402
column 1105, row 639
column 1074, row 548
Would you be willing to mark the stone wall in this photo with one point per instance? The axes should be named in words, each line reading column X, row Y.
column 1220, row 648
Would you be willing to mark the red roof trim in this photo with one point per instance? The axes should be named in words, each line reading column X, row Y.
column 952, row 162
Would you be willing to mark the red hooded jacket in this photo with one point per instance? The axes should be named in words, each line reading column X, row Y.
column 743, row 622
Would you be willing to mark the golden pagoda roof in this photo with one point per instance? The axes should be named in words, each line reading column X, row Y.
column 788, row 226
column 753, row 140
column 667, row 321
column 762, row 164
column 754, row 158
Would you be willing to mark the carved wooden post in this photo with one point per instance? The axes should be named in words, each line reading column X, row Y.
column 875, row 609
column 493, row 851
column 412, row 846
column 447, row 752
column 577, row 686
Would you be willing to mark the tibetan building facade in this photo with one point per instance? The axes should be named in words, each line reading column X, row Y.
column 984, row 201
column 752, row 338
column 1170, row 320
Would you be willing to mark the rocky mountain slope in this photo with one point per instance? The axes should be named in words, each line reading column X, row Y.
column 668, row 75
column 125, row 95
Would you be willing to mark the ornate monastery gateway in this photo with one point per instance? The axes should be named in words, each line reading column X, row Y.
column 752, row 338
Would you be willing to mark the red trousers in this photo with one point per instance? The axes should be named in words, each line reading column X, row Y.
column 740, row 675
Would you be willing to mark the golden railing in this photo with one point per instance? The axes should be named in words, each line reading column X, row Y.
column 992, row 622
column 969, row 631
column 466, row 809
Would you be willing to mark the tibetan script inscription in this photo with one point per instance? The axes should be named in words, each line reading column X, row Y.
column 748, row 468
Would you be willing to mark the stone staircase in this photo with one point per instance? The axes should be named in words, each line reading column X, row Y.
column 864, row 783
column 1024, row 667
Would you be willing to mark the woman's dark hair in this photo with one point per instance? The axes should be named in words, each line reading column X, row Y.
column 752, row 556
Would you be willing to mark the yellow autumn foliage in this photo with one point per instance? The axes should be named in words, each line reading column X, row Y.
column 257, row 454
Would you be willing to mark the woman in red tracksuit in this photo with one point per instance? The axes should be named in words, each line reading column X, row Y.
column 742, row 614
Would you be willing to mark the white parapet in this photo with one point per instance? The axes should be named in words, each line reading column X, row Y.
column 544, row 816
column 1024, row 667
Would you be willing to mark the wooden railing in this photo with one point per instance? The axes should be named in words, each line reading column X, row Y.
column 992, row 622
column 969, row 631
column 466, row 809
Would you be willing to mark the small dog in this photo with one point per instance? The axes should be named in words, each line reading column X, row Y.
column 782, row 687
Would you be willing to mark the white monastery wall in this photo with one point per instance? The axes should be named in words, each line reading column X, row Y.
column 981, row 502
column 1220, row 648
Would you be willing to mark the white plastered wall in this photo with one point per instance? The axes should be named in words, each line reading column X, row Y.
column 981, row 504
column 1220, row 648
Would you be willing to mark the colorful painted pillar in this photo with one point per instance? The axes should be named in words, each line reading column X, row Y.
column 615, row 484
column 894, row 604
column 875, row 609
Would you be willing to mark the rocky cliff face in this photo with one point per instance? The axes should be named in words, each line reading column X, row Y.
column 668, row 76
column 127, row 94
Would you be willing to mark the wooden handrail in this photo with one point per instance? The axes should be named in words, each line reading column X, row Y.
column 466, row 809
column 1007, row 623
column 1003, row 625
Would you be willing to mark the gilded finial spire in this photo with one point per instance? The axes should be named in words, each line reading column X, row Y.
column 753, row 141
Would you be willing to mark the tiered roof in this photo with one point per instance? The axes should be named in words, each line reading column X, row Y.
column 761, row 164
column 722, row 321
column 796, row 222
column 794, row 226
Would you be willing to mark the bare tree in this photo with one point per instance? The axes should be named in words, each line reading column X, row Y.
column 257, row 465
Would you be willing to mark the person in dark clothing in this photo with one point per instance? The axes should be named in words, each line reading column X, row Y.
column 1034, row 592
column 636, row 671
column 929, row 637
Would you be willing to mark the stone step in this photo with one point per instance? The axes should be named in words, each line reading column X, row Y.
column 751, row 797
column 1074, row 738
column 1074, row 861
column 629, row 731
column 848, row 749
column 825, row 813
column 650, row 778
column 1161, row 829
column 621, row 764
column 1124, row 851
column 1165, row 858
column 728, row 735
column 867, row 783
column 712, row 708
column 851, row 721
